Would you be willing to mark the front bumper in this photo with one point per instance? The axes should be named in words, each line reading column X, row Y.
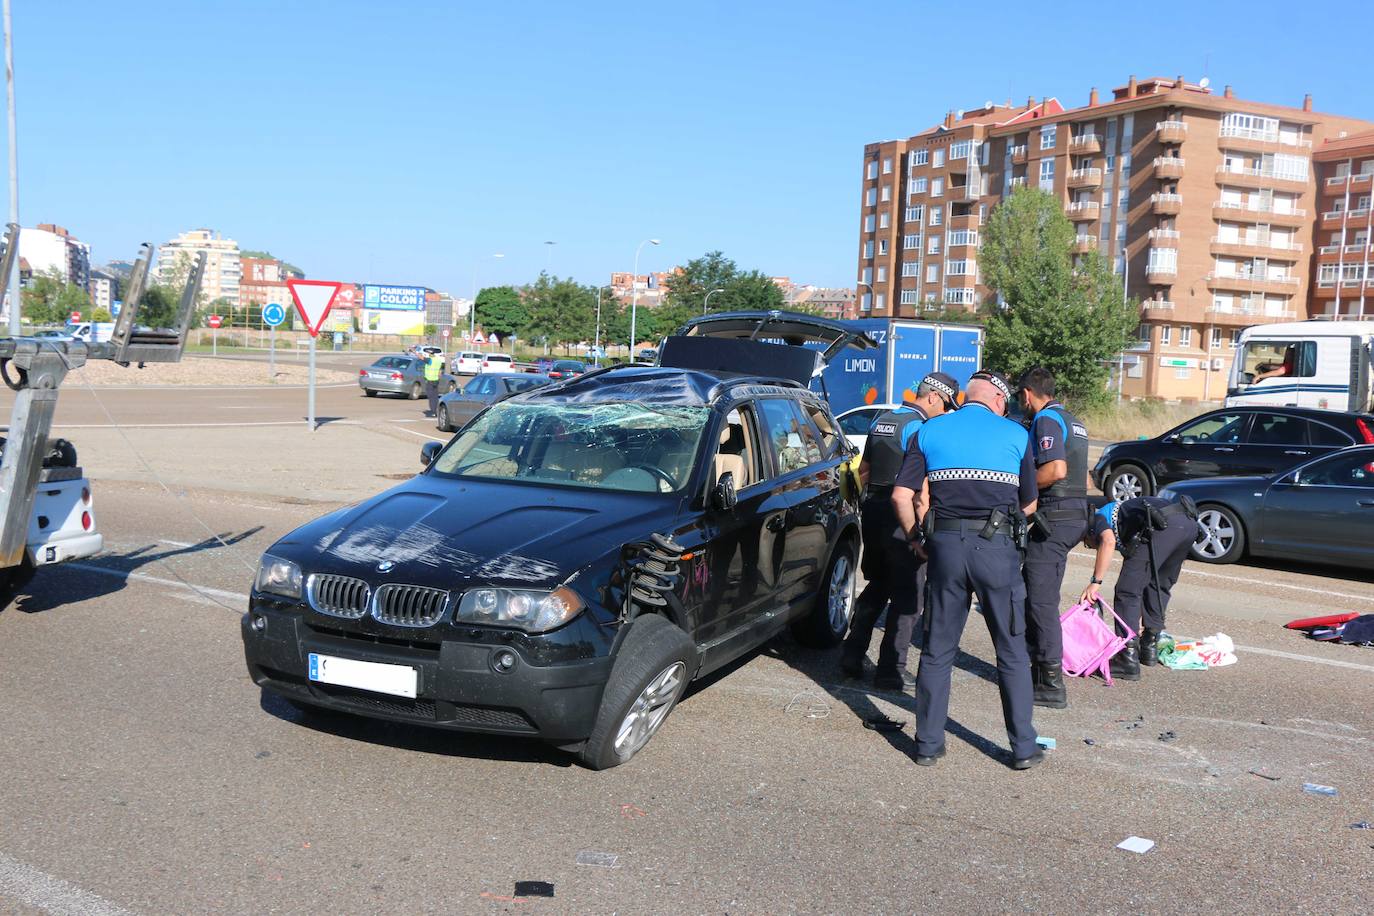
column 458, row 687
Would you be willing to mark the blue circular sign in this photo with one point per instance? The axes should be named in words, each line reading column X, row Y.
column 273, row 314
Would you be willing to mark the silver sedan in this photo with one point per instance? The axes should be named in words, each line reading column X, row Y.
column 403, row 375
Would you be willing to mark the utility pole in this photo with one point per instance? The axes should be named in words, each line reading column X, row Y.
column 11, row 281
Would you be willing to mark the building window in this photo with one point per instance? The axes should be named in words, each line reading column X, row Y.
column 961, row 268
column 1183, row 373
column 882, row 274
column 1166, row 335
column 868, row 249
column 918, row 185
column 884, row 219
column 866, row 303
column 1235, row 339
column 920, row 157
column 1144, row 333
column 882, row 246
column 915, row 214
column 937, row 187
column 911, row 268
column 1048, row 134
column 873, row 169
column 871, row 197
column 1216, row 339
column 1185, row 334
column 911, row 241
column 909, row 297
column 934, row 246
column 936, row 216
column 1111, row 164
column 880, row 301
column 868, row 223
column 1047, row 174
column 868, row 275
column 1163, row 261
column 887, row 193
column 887, row 166
column 939, row 159
column 932, row 273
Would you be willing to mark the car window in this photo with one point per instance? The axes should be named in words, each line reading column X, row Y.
column 737, row 451
column 1266, row 359
column 794, row 441
column 519, row 384
column 1329, row 436
column 386, row 362
column 1345, row 470
column 858, row 422
column 1277, row 429
column 824, row 426
column 470, row 355
column 479, row 385
column 1219, row 427
column 498, row 358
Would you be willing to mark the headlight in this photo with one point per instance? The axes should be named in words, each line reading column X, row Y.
column 278, row 576
column 531, row 611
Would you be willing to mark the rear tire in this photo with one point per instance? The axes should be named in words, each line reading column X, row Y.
column 828, row 621
column 441, row 419
column 1127, row 481
column 415, row 391
column 650, row 673
column 1221, row 536
column 368, row 392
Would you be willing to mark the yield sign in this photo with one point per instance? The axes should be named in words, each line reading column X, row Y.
column 313, row 301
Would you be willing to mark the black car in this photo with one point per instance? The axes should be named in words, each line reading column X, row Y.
column 1320, row 512
column 566, row 564
column 458, row 407
column 1227, row 442
column 566, row 368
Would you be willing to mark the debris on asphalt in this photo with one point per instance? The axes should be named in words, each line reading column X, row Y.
column 599, row 859
column 260, row 755
column 1136, row 844
column 1168, row 736
column 1262, row 774
column 1132, row 724
column 816, row 708
column 533, row 889
column 1312, row 788
column 1089, row 741
column 630, row 811
column 1362, row 825
column 881, row 723
column 1048, row 744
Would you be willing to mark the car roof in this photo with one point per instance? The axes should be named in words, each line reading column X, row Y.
column 665, row 385
column 1307, row 413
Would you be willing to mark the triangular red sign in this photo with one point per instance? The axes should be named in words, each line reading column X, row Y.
column 313, row 298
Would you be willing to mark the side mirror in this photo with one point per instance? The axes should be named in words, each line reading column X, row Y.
column 1187, row 440
column 1172, row 437
column 428, row 452
column 723, row 496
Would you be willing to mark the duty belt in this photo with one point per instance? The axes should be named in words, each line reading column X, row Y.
column 1066, row 515
column 970, row 524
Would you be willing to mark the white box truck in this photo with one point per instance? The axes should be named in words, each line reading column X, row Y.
column 1321, row 364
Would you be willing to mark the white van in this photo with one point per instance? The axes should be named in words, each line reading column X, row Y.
column 1321, row 364
column 91, row 332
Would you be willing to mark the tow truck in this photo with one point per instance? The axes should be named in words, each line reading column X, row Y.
column 46, row 511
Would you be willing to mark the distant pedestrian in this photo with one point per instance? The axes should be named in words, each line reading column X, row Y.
column 434, row 370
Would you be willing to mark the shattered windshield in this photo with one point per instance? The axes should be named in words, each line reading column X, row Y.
column 619, row 446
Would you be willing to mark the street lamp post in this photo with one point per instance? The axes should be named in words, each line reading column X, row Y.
column 472, row 309
column 707, row 303
column 634, row 294
column 596, row 343
column 15, row 298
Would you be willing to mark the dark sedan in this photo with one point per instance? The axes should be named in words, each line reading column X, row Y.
column 566, row 368
column 458, row 407
column 1319, row 512
column 1229, row 442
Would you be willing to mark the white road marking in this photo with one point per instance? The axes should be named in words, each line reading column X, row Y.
column 175, row 543
column 155, row 580
column 299, row 422
column 43, row 891
column 1278, row 653
column 422, row 435
column 203, row 389
column 1190, row 571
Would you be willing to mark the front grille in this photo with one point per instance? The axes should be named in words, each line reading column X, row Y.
column 489, row 717
column 338, row 596
column 409, row 605
column 395, row 706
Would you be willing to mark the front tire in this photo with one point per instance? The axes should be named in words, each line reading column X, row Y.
column 1221, row 536
column 441, row 419
column 829, row 618
column 650, row 673
column 1127, row 481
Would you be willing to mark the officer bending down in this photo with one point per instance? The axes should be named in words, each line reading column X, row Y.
column 1153, row 534
column 1059, row 444
column 972, row 478
column 890, row 566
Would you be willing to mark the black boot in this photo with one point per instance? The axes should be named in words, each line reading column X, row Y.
column 1149, row 647
column 1048, row 679
column 1126, row 663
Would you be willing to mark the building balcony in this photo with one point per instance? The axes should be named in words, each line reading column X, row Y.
column 1171, row 131
column 1242, row 315
column 1166, row 204
column 1156, row 308
column 1248, row 138
column 1085, row 143
column 1018, row 155
column 1332, row 254
column 1243, row 213
column 1256, row 247
column 1335, row 219
column 1018, row 181
column 1085, row 178
column 1254, row 283
column 1258, row 178
column 1359, row 179
column 1349, row 287
column 1083, row 211
column 1161, row 276
column 1168, row 167
column 1083, row 244
column 1163, row 238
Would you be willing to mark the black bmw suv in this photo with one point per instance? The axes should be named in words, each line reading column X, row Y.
column 577, row 554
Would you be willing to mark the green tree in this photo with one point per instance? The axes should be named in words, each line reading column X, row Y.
column 1068, row 317
column 689, row 287
column 561, row 310
column 500, row 309
column 50, row 299
column 158, row 308
column 102, row 314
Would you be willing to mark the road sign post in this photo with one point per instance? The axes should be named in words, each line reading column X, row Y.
column 272, row 315
column 215, row 322
column 313, row 298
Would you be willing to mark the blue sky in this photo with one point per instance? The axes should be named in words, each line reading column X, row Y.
column 397, row 142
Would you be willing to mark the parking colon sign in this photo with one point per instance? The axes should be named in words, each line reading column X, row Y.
column 398, row 298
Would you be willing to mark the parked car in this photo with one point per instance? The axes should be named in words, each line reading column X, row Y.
column 469, row 362
column 856, row 422
column 403, row 375
column 647, row 355
column 566, row 368
column 458, row 407
column 51, row 334
column 498, row 362
column 578, row 554
column 1321, row 511
column 1227, row 442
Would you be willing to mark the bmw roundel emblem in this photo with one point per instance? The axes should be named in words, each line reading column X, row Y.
column 385, row 566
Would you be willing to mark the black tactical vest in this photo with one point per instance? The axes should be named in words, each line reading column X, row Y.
column 884, row 450
column 1074, row 485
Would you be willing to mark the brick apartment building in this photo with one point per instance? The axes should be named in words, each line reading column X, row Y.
column 1204, row 203
column 1344, row 286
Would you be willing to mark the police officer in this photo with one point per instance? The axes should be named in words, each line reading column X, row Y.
column 1154, row 535
column 970, row 478
column 890, row 566
column 1059, row 444
column 434, row 368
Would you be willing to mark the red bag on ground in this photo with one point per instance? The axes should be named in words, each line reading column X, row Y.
column 1089, row 643
column 1326, row 620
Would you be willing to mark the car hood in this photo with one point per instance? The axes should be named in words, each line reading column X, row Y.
column 450, row 533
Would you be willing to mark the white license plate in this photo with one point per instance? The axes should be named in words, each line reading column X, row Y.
column 376, row 375
column 397, row 680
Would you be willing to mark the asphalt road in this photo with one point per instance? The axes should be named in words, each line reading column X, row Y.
column 145, row 773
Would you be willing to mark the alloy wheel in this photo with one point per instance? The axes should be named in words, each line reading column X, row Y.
column 841, row 597
column 1127, row 485
column 1216, row 534
column 649, row 710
